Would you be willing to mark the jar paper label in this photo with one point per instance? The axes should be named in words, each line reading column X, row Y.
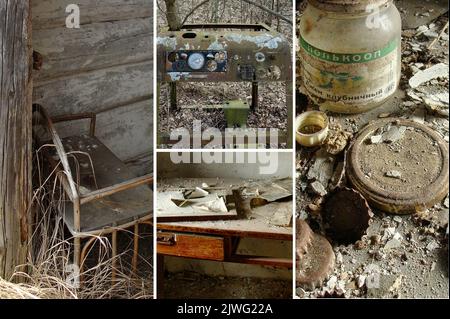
column 352, row 79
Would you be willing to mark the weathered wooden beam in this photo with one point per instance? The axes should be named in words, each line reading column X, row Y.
column 15, row 133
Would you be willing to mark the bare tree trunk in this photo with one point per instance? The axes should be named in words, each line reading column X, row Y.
column 15, row 133
column 172, row 15
column 278, row 18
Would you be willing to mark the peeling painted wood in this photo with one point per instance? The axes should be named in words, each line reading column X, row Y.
column 93, row 46
column 51, row 13
column 15, row 133
column 97, row 90
column 105, row 67
column 127, row 136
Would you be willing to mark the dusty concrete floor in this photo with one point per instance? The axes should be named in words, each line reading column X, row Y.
column 189, row 285
column 417, row 267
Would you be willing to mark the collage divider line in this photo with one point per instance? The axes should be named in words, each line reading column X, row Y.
column 157, row 150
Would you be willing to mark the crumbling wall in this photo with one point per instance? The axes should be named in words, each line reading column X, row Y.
column 104, row 67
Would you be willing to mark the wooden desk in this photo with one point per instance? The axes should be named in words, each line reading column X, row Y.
column 219, row 240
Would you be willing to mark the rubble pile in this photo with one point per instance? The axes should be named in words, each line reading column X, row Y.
column 392, row 256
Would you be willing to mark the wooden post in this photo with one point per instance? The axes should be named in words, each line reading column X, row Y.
column 15, row 133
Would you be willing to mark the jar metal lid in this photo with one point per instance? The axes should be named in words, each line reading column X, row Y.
column 350, row 6
column 405, row 176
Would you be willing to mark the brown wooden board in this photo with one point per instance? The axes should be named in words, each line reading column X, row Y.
column 195, row 246
column 15, row 135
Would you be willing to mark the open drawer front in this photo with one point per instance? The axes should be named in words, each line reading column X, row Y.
column 99, row 185
column 191, row 245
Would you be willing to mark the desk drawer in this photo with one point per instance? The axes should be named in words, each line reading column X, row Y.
column 191, row 246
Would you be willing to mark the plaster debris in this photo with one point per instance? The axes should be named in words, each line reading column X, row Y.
column 394, row 174
column 322, row 169
column 318, row 188
column 437, row 103
column 432, row 245
column 337, row 140
column 360, row 281
column 394, row 134
column 376, row 139
column 436, row 71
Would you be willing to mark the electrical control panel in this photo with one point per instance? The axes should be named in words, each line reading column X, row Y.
column 197, row 61
column 223, row 52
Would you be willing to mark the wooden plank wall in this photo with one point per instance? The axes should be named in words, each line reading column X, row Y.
column 104, row 67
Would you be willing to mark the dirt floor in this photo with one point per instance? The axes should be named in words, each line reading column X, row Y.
column 191, row 285
column 408, row 254
column 271, row 112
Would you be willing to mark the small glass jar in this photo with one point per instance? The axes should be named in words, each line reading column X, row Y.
column 350, row 53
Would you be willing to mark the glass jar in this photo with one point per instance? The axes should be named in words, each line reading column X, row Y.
column 350, row 53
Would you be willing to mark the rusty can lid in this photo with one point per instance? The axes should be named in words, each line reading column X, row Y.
column 315, row 257
column 346, row 215
column 350, row 6
column 399, row 166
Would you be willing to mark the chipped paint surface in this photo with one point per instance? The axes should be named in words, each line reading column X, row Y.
column 262, row 41
column 167, row 42
column 176, row 76
column 216, row 45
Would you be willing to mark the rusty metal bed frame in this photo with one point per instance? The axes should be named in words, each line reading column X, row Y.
column 78, row 200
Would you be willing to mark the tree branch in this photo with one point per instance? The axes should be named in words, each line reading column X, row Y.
column 278, row 15
column 193, row 10
column 270, row 11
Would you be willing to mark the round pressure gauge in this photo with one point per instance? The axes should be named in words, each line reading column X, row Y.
column 220, row 57
column 260, row 57
column 196, row 61
column 211, row 65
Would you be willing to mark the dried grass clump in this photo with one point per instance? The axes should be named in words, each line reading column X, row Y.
column 48, row 272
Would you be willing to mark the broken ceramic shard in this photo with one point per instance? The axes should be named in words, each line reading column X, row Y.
column 217, row 206
column 315, row 257
column 346, row 215
column 196, row 193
